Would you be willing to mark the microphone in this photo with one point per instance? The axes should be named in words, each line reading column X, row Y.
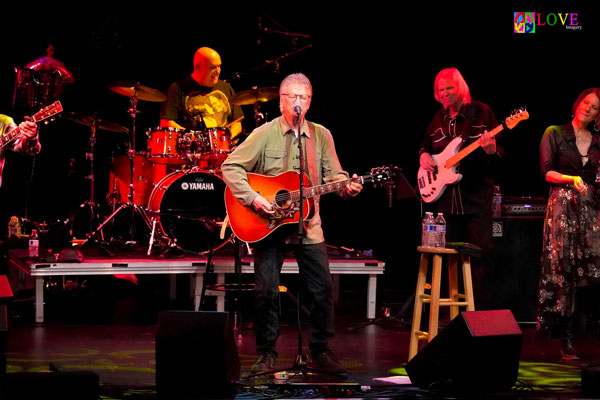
column 297, row 109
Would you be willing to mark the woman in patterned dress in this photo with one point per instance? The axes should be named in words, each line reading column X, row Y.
column 570, row 162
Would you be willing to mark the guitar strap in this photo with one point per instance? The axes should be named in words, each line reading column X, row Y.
column 309, row 151
column 311, row 156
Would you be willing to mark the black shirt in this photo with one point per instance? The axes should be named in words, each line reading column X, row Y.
column 559, row 152
column 472, row 193
column 189, row 103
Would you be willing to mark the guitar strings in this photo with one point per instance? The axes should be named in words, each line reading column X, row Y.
column 282, row 196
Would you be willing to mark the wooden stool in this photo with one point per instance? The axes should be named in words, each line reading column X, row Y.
column 455, row 299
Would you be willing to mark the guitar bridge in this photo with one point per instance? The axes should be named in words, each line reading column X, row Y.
column 283, row 213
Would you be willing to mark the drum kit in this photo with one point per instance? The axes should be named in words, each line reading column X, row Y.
column 176, row 185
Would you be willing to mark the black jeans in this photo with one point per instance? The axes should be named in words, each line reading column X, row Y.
column 477, row 229
column 313, row 265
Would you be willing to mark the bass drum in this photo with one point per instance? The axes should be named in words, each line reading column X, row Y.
column 190, row 209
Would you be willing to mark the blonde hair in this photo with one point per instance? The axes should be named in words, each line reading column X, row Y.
column 454, row 75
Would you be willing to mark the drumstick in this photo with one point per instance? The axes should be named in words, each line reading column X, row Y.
column 229, row 125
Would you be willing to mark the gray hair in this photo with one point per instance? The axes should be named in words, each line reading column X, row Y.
column 296, row 78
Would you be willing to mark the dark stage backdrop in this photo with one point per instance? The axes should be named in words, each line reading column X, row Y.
column 372, row 71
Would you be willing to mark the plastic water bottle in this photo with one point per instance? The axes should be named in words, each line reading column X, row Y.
column 427, row 233
column 497, row 203
column 440, row 231
column 34, row 244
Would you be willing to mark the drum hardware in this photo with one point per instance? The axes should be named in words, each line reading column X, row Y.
column 41, row 81
column 134, row 92
column 94, row 123
column 255, row 96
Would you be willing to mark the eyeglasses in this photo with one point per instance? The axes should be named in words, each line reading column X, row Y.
column 293, row 96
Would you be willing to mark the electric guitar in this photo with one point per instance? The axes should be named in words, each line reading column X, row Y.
column 41, row 115
column 283, row 192
column 432, row 183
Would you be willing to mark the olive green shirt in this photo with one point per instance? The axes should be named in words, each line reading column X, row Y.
column 266, row 151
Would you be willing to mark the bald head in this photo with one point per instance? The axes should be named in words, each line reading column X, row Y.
column 207, row 66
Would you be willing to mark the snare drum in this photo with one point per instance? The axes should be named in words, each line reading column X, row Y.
column 190, row 210
column 215, row 145
column 165, row 146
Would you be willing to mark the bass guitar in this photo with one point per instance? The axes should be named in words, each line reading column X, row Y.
column 432, row 183
column 283, row 192
column 41, row 115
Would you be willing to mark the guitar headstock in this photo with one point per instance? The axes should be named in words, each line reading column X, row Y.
column 47, row 112
column 518, row 115
column 379, row 175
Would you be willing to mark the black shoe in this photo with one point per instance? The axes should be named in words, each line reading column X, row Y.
column 326, row 362
column 265, row 362
column 567, row 351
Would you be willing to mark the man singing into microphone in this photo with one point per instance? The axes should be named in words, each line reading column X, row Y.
column 271, row 150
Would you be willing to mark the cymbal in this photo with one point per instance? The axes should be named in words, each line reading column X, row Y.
column 88, row 120
column 135, row 89
column 254, row 96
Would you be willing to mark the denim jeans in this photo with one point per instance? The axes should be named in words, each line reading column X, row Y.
column 313, row 265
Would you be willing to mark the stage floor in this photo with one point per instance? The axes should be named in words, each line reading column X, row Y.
column 114, row 337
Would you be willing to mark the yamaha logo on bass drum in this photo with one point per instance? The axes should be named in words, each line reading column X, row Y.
column 197, row 186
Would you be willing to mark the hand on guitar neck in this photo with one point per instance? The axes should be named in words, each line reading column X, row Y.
column 487, row 142
column 28, row 128
column 28, row 132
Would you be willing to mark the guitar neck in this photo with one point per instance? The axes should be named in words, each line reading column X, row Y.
column 455, row 159
column 41, row 115
column 314, row 191
column 9, row 137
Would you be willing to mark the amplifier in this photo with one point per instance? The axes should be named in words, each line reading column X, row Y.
column 523, row 205
column 523, row 209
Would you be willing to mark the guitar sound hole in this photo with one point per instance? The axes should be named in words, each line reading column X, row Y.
column 283, row 199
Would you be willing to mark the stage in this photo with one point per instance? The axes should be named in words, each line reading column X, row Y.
column 196, row 266
column 121, row 352
column 105, row 326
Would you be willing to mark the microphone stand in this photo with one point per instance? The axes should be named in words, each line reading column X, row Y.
column 300, row 361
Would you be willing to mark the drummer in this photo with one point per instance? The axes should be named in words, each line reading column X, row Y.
column 201, row 100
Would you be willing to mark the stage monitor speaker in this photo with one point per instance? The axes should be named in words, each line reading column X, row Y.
column 196, row 355
column 478, row 352
column 74, row 385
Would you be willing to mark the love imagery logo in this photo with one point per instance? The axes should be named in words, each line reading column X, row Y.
column 529, row 22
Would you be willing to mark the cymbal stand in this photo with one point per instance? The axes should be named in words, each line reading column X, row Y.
column 133, row 111
column 90, row 203
column 258, row 116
